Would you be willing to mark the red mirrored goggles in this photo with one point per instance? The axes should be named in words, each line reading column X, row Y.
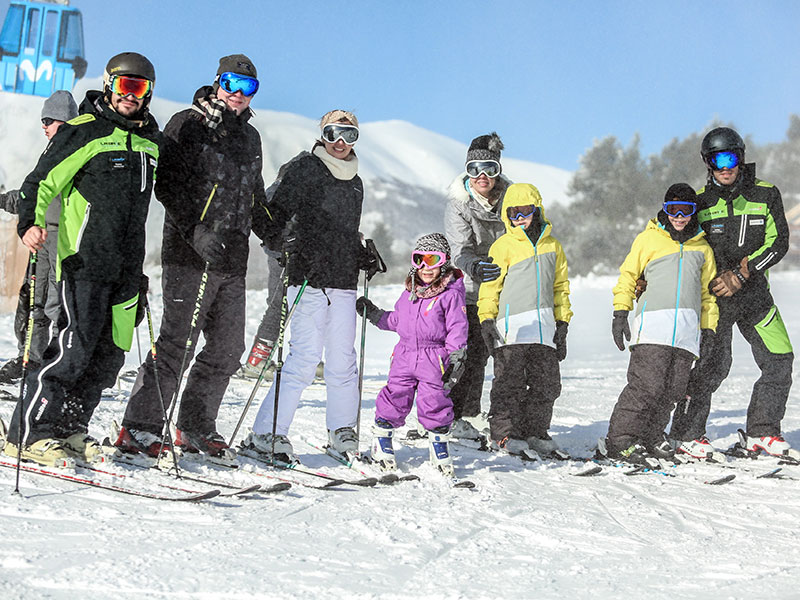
column 430, row 260
column 125, row 85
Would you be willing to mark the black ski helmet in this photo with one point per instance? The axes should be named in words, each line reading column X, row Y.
column 129, row 63
column 722, row 139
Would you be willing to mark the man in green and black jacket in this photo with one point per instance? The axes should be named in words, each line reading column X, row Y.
column 103, row 164
column 745, row 224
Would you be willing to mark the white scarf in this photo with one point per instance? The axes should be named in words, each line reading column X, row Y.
column 344, row 169
column 482, row 200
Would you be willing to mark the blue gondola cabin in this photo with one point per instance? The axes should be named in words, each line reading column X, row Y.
column 41, row 48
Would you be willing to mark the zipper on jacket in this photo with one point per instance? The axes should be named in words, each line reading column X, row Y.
column 677, row 295
column 208, row 202
column 742, row 230
column 143, row 160
column 83, row 226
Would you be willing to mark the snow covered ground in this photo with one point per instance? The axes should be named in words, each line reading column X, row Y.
column 524, row 532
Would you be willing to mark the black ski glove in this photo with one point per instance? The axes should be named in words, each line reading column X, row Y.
column 456, row 368
column 619, row 327
column 371, row 261
column 373, row 313
column 485, row 270
column 491, row 337
column 560, row 339
column 144, row 285
column 208, row 244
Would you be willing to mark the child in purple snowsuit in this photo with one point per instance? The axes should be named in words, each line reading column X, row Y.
column 430, row 317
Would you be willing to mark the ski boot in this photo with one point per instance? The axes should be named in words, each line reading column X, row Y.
column 343, row 443
column 139, row 441
column 84, row 448
column 382, row 451
column 439, row 445
column 255, row 362
column 211, row 444
column 774, row 445
column 48, row 452
column 546, row 448
column 699, row 449
column 260, row 446
column 511, row 445
column 461, row 429
column 633, row 452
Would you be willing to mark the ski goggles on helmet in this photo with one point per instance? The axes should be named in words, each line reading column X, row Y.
column 680, row 208
column 723, row 160
column 490, row 168
column 429, row 260
column 332, row 132
column 514, row 213
column 125, row 85
column 233, row 82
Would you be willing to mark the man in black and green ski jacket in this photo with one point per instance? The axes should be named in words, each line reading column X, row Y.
column 103, row 164
column 745, row 224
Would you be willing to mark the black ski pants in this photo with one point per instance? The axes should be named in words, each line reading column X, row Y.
column 80, row 362
column 657, row 379
column 220, row 317
column 466, row 394
column 765, row 332
column 527, row 381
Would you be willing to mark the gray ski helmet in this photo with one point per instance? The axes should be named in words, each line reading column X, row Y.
column 722, row 139
column 129, row 63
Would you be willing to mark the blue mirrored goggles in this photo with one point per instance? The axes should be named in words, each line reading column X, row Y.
column 680, row 208
column 723, row 160
column 515, row 213
column 233, row 82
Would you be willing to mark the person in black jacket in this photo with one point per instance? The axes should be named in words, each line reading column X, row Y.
column 210, row 184
column 322, row 194
column 746, row 227
column 103, row 164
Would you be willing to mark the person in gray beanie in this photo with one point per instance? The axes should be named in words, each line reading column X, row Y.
column 57, row 109
column 472, row 223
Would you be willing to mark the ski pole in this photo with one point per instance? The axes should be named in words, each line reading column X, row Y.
column 25, row 356
column 198, row 304
column 361, row 358
column 158, row 385
column 266, row 363
column 279, row 362
column 380, row 267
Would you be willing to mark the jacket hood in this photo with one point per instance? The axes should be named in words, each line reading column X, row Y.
column 521, row 194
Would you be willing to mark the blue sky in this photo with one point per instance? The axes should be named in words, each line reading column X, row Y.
column 549, row 76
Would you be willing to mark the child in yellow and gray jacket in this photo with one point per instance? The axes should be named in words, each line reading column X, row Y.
column 524, row 315
column 674, row 322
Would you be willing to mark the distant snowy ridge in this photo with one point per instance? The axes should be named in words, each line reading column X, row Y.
column 406, row 169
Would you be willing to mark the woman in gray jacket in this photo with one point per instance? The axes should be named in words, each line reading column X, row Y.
column 472, row 224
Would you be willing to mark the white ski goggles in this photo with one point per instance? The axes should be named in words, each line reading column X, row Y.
column 338, row 131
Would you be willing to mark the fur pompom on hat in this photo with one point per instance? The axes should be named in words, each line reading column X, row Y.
column 337, row 115
column 485, row 147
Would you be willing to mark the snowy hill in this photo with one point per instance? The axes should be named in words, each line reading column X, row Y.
column 406, row 169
